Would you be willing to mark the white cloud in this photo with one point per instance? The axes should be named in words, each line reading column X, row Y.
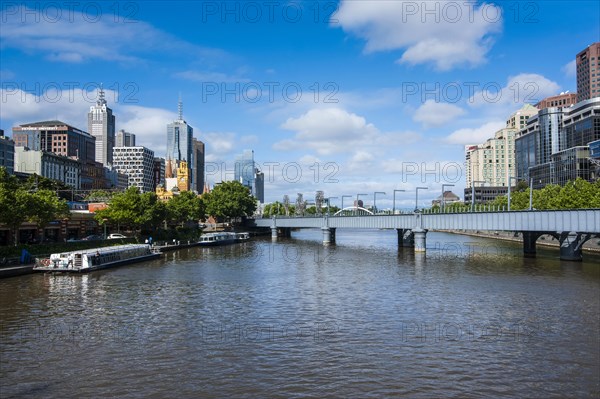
column 570, row 69
column 309, row 159
column 446, row 34
column 327, row 131
column 362, row 156
column 219, row 144
column 519, row 89
column 475, row 135
column 433, row 114
column 199, row 76
column 78, row 37
column 148, row 124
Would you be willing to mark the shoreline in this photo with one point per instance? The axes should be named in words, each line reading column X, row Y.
column 589, row 247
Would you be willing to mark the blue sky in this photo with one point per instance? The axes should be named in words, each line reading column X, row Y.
column 346, row 97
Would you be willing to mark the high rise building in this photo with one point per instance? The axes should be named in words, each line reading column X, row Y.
column 138, row 164
column 518, row 120
column 101, row 125
column 554, row 146
column 494, row 160
column 588, row 65
column 259, row 184
column 62, row 139
column 244, row 169
column 125, row 139
column 49, row 165
column 159, row 172
column 7, row 153
column 56, row 137
column 179, row 141
column 562, row 100
column 492, row 164
column 197, row 165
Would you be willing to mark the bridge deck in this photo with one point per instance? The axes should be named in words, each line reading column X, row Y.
column 583, row 221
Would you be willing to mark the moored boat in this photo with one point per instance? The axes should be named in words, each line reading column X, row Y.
column 87, row 260
column 214, row 239
column 241, row 237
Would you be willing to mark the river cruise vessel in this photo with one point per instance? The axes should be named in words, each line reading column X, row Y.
column 87, row 260
column 215, row 239
column 241, row 237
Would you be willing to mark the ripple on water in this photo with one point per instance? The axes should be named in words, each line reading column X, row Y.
column 294, row 319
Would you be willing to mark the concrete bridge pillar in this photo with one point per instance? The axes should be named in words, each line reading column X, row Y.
column 420, row 242
column 406, row 238
column 280, row 232
column 328, row 235
column 570, row 246
column 529, row 239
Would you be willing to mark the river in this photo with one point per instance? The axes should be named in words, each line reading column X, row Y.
column 470, row 319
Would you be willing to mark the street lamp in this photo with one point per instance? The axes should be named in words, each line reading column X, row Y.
column 510, row 179
column 417, row 197
column 473, row 193
column 345, row 196
column 328, row 199
column 443, row 197
column 104, row 223
column 394, row 207
column 531, row 193
column 375, row 200
column 356, row 207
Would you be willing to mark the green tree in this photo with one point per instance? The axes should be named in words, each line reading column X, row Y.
column 99, row 196
column 277, row 208
column 124, row 208
column 152, row 211
column 185, row 207
column 15, row 203
column 46, row 207
column 229, row 200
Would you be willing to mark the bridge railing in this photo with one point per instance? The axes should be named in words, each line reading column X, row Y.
column 425, row 211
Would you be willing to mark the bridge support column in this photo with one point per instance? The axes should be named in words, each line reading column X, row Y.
column 420, row 241
column 280, row 232
column 529, row 239
column 570, row 246
column 406, row 238
column 328, row 235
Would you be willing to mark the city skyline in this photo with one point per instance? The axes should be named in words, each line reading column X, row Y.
column 366, row 101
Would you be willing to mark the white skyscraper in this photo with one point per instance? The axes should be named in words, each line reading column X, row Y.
column 101, row 125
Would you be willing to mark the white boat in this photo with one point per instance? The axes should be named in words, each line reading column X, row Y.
column 214, row 239
column 87, row 260
column 241, row 237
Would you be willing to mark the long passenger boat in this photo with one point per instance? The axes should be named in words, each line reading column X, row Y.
column 88, row 260
column 223, row 238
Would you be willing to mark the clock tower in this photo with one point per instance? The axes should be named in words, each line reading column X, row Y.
column 183, row 177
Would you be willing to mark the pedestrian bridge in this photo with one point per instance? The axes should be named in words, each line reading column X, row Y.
column 571, row 227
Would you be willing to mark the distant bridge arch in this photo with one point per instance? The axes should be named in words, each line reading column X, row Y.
column 354, row 209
